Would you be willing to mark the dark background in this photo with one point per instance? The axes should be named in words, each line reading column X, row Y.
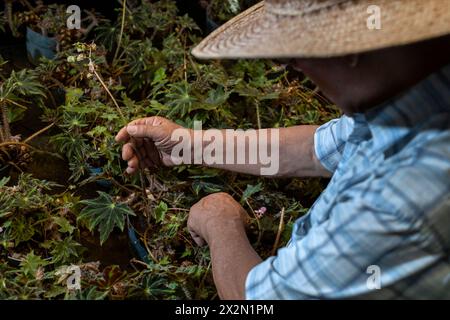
column 107, row 8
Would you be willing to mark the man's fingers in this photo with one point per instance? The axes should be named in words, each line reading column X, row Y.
column 129, row 149
column 123, row 136
column 133, row 162
column 131, row 170
column 127, row 152
column 141, row 151
column 143, row 131
column 197, row 239
column 152, row 152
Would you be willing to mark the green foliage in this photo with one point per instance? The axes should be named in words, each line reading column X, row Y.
column 250, row 191
column 160, row 211
column 31, row 265
column 46, row 227
column 103, row 212
column 2, row 21
column 221, row 11
column 26, row 195
column 16, row 91
column 51, row 20
column 65, row 250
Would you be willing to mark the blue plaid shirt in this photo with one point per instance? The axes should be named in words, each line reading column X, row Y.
column 385, row 215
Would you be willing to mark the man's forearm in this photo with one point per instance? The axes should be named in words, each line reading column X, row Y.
column 232, row 259
column 294, row 155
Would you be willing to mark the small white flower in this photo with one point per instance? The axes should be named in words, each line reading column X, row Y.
column 1, row 229
column 81, row 57
column 91, row 67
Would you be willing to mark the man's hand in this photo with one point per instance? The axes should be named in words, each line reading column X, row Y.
column 220, row 221
column 215, row 213
column 152, row 137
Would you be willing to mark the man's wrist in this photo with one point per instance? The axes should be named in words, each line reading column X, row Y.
column 219, row 231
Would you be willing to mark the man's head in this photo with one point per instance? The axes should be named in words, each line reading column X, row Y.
column 356, row 66
column 359, row 82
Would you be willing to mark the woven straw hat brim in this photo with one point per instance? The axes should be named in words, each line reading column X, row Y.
column 335, row 31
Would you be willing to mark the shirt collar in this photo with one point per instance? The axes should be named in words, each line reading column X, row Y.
column 393, row 120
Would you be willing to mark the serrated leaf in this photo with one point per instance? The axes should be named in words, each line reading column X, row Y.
column 73, row 95
column 103, row 212
column 217, row 96
column 160, row 211
column 251, row 190
column 97, row 131
column 160, row 76
column 4, row 181
column 64, row 225
column 31, row 263
column 64, row 250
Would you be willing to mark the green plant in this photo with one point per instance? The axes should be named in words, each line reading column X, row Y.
column 104, row 213
column 17, row 92
column 144, row 70
column 13, row 91
column 2, row 21
column 51, row 21
column 8, row 15
column 222, row 11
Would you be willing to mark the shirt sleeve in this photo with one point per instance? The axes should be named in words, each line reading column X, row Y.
column 330, row 139
column 334, row 260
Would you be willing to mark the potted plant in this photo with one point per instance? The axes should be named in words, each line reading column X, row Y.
column 9, row 17
column 219, row 12
column 15, row 93
column 47, row 32
column 2, row 21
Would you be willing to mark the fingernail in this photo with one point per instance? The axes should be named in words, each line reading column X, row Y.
column 131, row 129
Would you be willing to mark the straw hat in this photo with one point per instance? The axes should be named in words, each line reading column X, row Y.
column 324, row 28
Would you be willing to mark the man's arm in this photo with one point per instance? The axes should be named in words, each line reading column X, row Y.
column 232, row 259
column 219, row 221
column 291, row 151
column 295, row 152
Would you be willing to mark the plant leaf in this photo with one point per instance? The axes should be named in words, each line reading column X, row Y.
column 251, row 190
column 31, row 263
column 104, row 213
column 160, row 211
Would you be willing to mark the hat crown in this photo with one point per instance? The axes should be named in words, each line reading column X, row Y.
column 299, row 7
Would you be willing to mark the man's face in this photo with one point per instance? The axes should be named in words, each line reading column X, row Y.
column 332, row 75
column 357, row 83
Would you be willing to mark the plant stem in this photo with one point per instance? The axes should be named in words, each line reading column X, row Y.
column 280, row 230
column 2, row 138
column 138, row 153
column 12, row 143
column 147, row 248
column 27, row 4
column 110, row 94
column 5, row 124
column 258, row 115
column 9, row 17
column 34, row 135
column 119, row 43
column 16, row 104
column 257, row 222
